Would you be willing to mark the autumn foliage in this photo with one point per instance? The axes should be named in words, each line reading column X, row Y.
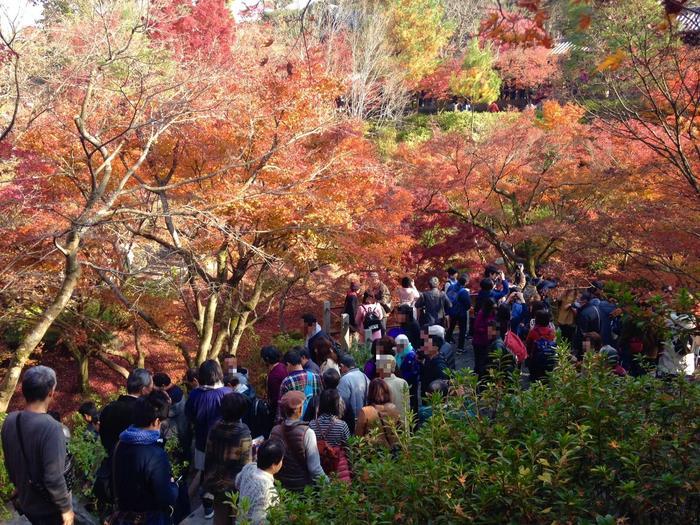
column 169, row 175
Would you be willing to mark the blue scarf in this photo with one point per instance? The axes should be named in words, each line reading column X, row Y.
column 400, row 356
column 139, row 436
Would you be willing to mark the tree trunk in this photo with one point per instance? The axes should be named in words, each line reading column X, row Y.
column 207, row 328
column 83, row 373
column 235, row 338
column 531, row 265
column 36, row 333
column 101, row 356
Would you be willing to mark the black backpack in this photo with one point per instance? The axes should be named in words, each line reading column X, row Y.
column 259, row 418
column 372, row 321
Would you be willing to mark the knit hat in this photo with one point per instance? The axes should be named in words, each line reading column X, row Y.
column 292, row 400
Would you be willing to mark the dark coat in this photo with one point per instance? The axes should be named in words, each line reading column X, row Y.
column 433, row 305
column 114, row 419
column 350, row 308
column 588, row 319
column 143, row 478
column 432, row 370
column 411, row 329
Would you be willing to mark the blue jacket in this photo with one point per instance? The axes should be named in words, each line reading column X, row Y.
column 203, row 409
column 463, row 304
column 518, row 313
column 494, row 294
column 142, row 474
column 409, row 366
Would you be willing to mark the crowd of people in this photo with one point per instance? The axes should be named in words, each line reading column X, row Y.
column 238, row 443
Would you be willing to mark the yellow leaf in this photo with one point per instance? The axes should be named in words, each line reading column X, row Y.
column 545, row 477
column 612, row 61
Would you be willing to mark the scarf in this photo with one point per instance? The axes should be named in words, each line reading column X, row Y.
column 402, row 355
column 139, row 436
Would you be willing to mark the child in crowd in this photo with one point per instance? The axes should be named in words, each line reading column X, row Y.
column 256, row 483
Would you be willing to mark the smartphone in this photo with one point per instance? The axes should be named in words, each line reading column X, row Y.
column 255, row 445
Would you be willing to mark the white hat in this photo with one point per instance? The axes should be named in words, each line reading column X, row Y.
column 436, row 329
column 401, row 339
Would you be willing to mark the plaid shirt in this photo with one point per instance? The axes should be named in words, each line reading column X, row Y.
column 304, row 381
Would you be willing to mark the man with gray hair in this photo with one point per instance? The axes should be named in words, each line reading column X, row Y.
column 115, row 418
column 118, row 415
column 433, row 305
column 35, row 453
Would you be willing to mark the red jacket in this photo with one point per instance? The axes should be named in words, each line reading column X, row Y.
column 538, row 332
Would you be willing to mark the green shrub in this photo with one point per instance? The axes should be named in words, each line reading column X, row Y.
column 175, row 455
column 288, row 340
column 588, row 448
column 88, row 453
column 360, row 352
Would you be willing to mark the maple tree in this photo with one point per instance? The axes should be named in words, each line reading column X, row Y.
column 270, row 203
column 641, row 84
column 528, row 67
column 526, row 188
column 114, row 96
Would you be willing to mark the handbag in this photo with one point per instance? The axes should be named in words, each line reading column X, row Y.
column 38, row 486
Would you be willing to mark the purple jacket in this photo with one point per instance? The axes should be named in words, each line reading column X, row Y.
column 274, row 382
column 481, row 328
column 203, row 409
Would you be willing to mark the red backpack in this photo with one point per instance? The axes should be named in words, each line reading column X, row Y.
column 333, row 458
column 515, row 346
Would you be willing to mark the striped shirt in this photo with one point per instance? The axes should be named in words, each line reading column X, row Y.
column 330, row 429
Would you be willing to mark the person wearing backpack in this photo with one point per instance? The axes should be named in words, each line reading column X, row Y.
column 369, row 317
column 302, row 463
column 379, row 413
column 258, row 416
column 298, row 379
column 332, row 434
column 451, row 278
column 541, row 346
